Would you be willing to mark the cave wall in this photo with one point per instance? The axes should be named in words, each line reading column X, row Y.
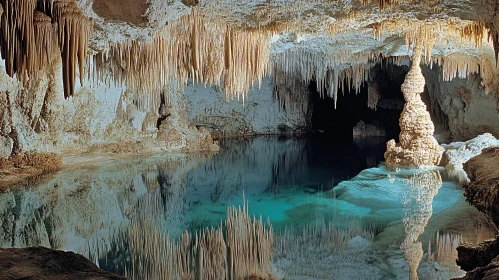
column 260, row 113
column 105, row 118
column 96, row 119
column 461, row 106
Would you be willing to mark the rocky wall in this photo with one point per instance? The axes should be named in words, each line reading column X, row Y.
column 482, row 261
column 461, row 107
column 98, row 118
column 260, row 113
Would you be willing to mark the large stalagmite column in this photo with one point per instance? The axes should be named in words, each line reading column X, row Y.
column 417, row 145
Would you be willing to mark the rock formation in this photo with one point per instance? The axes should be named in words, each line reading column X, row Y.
column 457, row 153
column 368, row 130
column 417, row 145
column 482, row 261
column 43, row 263
column 417, row 202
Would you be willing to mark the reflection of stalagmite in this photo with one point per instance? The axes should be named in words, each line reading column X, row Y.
column 417, row 145
column 417, row 203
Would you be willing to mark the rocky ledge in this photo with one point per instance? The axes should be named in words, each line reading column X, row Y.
column 43, row 263
column 482, row 261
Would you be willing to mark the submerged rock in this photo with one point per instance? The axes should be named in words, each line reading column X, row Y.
column 365, row 130
column 43, row 263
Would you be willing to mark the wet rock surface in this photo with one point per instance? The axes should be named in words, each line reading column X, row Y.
column 457, row 153
column 43, row 263
column 483, row 189
column 482, row 261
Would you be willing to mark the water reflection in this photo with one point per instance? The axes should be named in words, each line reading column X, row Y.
column 417, row 201
column 90, row 207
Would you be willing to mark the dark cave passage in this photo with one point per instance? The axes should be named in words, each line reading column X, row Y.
column 352, row 108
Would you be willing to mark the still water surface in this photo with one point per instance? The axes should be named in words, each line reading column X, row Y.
column 395, row 223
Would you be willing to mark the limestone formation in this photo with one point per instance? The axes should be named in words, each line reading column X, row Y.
column 141, row 49
column 417, row 145
column 457, row 153
column 417, row 201
column 28, row 38
column 362, row 130
column 44, row 263
column 482, row 261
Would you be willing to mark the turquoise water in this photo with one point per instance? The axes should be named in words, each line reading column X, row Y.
column 297, row 183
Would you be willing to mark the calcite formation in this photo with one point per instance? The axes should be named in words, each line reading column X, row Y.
column 417, row 145
column 482, row 261
column 139, row 49
column 417, row 201
column 28, row 38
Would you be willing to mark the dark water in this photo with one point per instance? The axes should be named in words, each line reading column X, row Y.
column 298, row 183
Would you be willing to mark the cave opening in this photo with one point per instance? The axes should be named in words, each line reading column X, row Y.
column 352, row 107
column 334, row 144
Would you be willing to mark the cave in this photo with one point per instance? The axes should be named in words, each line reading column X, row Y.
column 293, row 139
column 352, row 106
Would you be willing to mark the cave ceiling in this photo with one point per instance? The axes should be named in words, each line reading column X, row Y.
column 322, row 26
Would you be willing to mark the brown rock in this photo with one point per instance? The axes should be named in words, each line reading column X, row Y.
column 43, row 263
column 482, row 261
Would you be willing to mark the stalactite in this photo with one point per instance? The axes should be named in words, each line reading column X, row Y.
column 383, row 4
column 45, row 33
column 290, row 91
column 27, row 37
column 426, row 33
column 474, row 31
column 333, row 29
column 206, row 52
column 338, row 70
column 17, row 36
column 464, row 30
column 494, row 37
column 74, row 32
column 458, row 65
column 491, row 20
column 373, row 88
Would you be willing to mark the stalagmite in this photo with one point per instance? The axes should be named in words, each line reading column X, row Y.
column 417, row 145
